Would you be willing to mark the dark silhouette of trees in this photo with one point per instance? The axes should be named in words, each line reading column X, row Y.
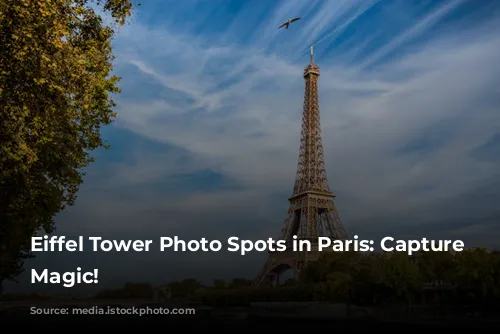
column 471, row 277
column 220, row 284
column 185, row 288
column 237, row 283
column 469, row 280
column 129, row 290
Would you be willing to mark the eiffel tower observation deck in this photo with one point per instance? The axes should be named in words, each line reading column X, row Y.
column 312, row 212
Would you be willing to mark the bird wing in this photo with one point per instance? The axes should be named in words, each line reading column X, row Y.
column 284, row 24
column 295, row 19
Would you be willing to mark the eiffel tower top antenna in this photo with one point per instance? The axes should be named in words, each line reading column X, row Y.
column 311, row 55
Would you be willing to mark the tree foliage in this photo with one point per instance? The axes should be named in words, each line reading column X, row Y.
column 468, row 281
column 471, row 277
column 55, row 94
column 184, row 288
column 129, row 290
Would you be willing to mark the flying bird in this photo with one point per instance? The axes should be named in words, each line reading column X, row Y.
column 287, row 23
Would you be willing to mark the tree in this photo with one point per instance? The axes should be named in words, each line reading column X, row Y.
column 185, row 287
column 240, row 283
column 219, row 284
column 365, row 279
column 437, row 267
column 129, row 290
column 55, row 94
column 334, row 275
column 399, row 274
column 478, row 273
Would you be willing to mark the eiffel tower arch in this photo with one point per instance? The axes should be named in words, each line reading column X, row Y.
column 312, row 212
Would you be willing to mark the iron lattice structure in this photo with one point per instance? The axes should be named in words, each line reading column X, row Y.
column 312, row 212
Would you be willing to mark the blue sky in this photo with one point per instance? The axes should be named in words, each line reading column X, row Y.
column 207, row 135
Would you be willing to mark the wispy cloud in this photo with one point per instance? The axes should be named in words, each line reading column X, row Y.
column 401, row 138
column 249, row 128
column 420, row 27
column 330, row 36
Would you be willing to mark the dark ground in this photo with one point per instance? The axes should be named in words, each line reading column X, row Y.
column 200, row 324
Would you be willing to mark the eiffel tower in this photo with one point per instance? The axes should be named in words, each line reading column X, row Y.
column 312, row 213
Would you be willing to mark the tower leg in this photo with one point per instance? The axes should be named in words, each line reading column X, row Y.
column 274, row 279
